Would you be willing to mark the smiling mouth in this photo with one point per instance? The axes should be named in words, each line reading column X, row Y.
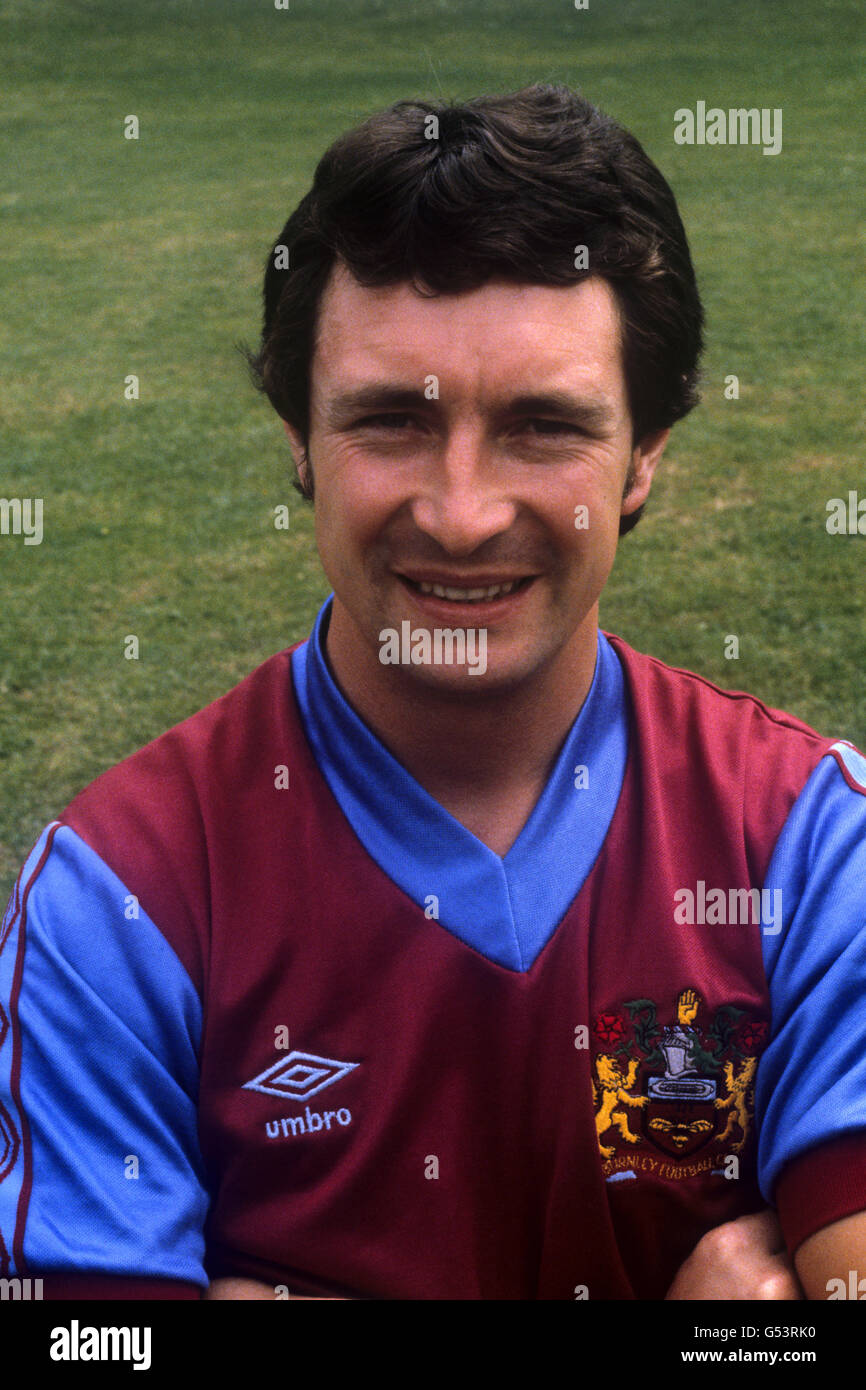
column 482, row 594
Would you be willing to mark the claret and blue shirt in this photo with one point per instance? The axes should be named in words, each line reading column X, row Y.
column 268, row 1010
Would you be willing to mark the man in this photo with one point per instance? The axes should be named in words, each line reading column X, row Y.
column 461, row 952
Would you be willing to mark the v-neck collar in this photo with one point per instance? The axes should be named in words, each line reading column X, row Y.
column 506, row 907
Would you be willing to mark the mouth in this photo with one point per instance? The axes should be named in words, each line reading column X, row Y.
column 476, row 593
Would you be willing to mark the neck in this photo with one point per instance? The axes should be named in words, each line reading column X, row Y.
column 459, row 745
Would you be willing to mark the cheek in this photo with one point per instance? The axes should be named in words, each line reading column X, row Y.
column 586, row 527
column 349, row 519
column 357, row 492
column 586, row 549
column 589, row 499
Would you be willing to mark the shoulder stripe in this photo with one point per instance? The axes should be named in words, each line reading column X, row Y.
column 743, row 698
column 29, row 872
column 16, row 901
column 16, row 912
column 852, row 765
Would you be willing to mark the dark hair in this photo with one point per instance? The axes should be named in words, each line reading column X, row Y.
column 449, row 196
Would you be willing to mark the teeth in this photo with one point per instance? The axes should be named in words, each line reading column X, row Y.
column 468, row 595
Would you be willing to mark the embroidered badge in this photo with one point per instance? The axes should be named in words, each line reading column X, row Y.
column 674, row 1087
column 299, row 1075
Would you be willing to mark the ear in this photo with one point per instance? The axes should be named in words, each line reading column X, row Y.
column 296, row 441
column 299, row 454
column 644, row 461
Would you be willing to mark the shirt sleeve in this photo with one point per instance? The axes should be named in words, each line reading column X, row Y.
column 810, row 1099
column 101, row 1177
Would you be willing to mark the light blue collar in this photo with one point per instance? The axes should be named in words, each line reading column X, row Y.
column 505, row 908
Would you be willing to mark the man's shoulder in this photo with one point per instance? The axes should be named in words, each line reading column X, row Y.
column 177, row 812
column 657, row 686
column 725, row 747
column 217, row 739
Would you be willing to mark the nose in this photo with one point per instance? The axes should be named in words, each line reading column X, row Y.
column 463, row 500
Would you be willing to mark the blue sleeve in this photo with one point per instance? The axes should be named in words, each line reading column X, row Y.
column 811, row 1084
column 100, row 1026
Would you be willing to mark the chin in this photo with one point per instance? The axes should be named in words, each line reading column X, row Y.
column 462, row 684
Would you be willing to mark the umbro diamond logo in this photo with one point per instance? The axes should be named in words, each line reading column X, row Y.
column 299, row 1075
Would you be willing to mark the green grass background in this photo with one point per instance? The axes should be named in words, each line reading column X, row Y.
column 146, row 257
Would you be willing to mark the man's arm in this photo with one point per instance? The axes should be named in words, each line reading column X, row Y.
column 742, row 1260
column 836, row 1252
column 747, row 1259
column 105, row 1186
column 251, row 1288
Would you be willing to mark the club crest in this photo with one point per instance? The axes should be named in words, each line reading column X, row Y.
column 674, row 1088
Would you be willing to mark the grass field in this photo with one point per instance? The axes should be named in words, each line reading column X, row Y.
column 145, row 256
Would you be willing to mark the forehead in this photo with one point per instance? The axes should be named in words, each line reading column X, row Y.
column 477, row 341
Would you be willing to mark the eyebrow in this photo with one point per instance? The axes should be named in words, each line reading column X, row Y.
column 376, row 396
column 593, row 412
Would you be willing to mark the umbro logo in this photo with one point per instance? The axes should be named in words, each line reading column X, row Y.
column 299, row 1075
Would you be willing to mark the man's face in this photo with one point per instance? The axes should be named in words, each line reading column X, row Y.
column 453, row 442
